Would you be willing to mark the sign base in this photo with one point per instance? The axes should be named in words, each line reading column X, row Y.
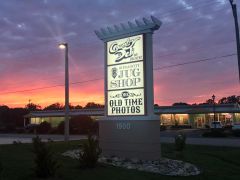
column 130, row 138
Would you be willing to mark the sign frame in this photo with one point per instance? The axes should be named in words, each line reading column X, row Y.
column 144, row 78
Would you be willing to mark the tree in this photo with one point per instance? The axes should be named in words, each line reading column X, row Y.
column 46, row 163
column 54, row 106
column 180, row 104
column 93, row 105
column 230, row 100
column 233, row 99
column 209, row 101
column 4, row 114
column 89, row 152
column 83, row 125
column 223, row 101
column 17, row 116
column 12, row 118
column 78, row 107
column 33, row 107
column 44, row 128
column 80, row 125
column 70, row 106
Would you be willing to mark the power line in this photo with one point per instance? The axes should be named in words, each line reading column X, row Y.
column 193, row 62
column 164, row 55
column 97, row 79
column 55, row 77
column 185, row 9
column 195, row 48
column 48, row 87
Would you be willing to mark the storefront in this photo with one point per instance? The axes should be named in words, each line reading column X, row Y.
column 195, row 116
column 199, row 116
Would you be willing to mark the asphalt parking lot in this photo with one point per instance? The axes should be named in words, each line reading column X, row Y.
column 191, row 133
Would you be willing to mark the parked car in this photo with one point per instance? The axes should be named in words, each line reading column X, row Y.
column 236, row 126
column 228, row 125
column 216, row 125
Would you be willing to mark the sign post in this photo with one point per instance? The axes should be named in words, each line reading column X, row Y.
column 129, row 128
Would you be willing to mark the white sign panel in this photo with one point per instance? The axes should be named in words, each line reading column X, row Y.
column 126, row 102
column 126, row 76
column 125, row 50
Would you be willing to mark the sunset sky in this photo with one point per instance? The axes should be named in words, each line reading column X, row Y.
column 32, row 66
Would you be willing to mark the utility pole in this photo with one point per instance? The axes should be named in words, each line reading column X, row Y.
column 66, row 121
column 234, row 10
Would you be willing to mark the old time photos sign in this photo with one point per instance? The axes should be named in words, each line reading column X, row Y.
column 125, row 76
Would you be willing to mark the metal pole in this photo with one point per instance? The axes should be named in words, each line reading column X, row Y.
column 234, row 10
column 66, row 124
column 214, row 113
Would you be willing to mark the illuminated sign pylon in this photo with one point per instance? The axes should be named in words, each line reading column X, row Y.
column 129, row 91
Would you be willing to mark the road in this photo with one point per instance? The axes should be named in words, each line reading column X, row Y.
column 27, row 138
column 193, row 137
column 229, row 142
column 192, row 133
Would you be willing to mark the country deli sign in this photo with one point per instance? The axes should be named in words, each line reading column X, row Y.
column 125, row 76
column 125, row 50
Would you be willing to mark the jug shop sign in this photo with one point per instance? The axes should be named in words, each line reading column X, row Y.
column 125, row 76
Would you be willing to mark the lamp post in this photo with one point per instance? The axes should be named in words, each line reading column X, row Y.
column 66, row 121
column 214, row 114
column 234, row 11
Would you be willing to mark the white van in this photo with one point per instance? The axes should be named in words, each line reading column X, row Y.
column 216, row 125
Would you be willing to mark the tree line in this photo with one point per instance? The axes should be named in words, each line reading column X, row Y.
column 12, row 119
column 224, row 100
column 58, row 106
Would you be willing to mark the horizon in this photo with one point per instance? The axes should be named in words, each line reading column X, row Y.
column 84, row 106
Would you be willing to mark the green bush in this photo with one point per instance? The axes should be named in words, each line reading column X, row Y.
column 89, row 153
column 45, row 163
column 180, row 142
column 80, row 125
column 60, row 128
column 44, row 128
column 83, row 125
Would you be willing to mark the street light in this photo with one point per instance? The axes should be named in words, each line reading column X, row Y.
column 214, row 114
column 66, row 121
column 234, row 11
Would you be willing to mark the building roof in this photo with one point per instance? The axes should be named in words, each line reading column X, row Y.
column 198, row 109
column 180, row 109
column 60, row 113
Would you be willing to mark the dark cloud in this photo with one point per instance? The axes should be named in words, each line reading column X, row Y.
column 191, row 30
